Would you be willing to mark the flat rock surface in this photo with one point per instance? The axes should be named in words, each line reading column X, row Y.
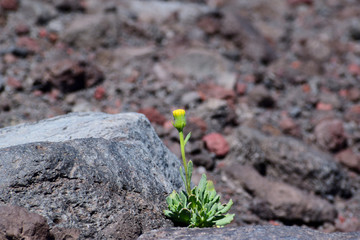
column 75, row 126
column 247, row 233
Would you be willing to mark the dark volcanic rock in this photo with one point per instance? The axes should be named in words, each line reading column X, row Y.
column 67, row 75
column 110, row 181
column 17, row 223
column 291, row 161
column 246, row 233
column 277, row 200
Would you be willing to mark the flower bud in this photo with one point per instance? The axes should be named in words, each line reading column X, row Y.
column 179, row 119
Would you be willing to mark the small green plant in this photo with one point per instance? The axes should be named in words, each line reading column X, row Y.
column 200, row 206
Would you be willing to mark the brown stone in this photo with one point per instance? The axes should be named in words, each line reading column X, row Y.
column 217, row 144
column 275, row 199
column 153, row 115
column 11, row 5
column 330, row 135
column 288, row 126
column 14, row 83
column 17, row 223
column 350, row 159
column 28, row 43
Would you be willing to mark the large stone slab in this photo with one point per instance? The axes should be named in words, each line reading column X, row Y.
column 278, row 200
column 290, row 160
column 78, row 125
column 246, row 233
column 107, row 175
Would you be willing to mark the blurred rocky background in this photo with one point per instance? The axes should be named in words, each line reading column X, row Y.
column 271, row 90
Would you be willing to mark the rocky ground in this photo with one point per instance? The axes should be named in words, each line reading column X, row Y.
column 271, row 90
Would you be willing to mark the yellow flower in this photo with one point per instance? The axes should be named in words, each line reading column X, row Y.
column 179, row 119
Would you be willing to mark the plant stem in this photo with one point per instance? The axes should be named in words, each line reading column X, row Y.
column 182, row 147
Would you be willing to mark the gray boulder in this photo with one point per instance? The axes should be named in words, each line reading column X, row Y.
column 278, row 200
column 291, row 161
column 107, row 175
column 93, row 30
column 246, row 233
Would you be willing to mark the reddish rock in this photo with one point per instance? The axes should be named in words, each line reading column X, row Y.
column 354, row 69
column 306, row 88
column 217, row 144
column 9, row 58
column 153, row 115
column 99, row 93
column 37, row 93
column 53, row 37
column 241, row 88
column 53, row 95
column 354, row 94
column 296, row 64
column 10, row 5
column 29, row 43
column 324, row 106
column 330, row 135
column 42, row 33
column 348, row 224
column 343, row 93
column 22, row 29
column 14, row 83
column 350, row 159
column 17, row 223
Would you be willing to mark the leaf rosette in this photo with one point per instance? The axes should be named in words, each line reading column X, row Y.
column 202, row 208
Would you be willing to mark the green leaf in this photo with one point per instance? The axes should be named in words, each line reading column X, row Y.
column 202, row 187
column 183, row 198
column 195, row 204
column 171, row 199
column 226, row 220
column 227, row 207
column 187, row 138
column 210, row 186
column 215, row 200
column 212, row 210
column 167, row 213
